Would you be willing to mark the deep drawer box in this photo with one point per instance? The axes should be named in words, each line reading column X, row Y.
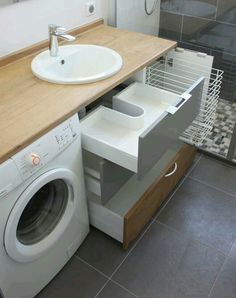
column 103, row 177
column 128, row 212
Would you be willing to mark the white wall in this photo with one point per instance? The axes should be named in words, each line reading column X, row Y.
column 131, row 16
column 111, row 12
column 26, row 23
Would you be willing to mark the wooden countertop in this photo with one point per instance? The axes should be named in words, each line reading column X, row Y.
column 30, row 107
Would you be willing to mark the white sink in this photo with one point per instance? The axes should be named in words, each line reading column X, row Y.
column 77, row 64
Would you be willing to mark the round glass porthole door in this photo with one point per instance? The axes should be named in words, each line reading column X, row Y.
column 41, row 215
column 43, row 212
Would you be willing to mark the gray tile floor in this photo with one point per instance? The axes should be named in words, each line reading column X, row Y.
column 187, row 251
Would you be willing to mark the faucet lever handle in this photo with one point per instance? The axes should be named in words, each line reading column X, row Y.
column 60, row 29
column 53, row 28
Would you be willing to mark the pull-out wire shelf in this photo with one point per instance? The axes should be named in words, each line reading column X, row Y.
column 177, row 76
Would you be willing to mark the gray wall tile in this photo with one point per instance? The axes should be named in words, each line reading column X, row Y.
column 200, row 8
column 226, row 11
column 211, row 33
column 170, row 25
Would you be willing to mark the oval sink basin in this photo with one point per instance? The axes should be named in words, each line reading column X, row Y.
column 77, row 64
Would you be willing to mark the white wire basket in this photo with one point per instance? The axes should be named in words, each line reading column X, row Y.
column 177, row 75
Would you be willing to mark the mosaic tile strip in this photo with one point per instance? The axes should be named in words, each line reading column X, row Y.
column 218, row 141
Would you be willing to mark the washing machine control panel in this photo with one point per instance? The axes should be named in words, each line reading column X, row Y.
column 10, row 178
column 38, row 154
column 33, row 159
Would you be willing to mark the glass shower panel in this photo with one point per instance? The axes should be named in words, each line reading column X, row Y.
column 209, row 26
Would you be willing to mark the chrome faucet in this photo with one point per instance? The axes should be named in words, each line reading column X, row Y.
column 56, row 32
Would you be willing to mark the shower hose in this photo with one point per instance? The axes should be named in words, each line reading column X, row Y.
column 150, row 12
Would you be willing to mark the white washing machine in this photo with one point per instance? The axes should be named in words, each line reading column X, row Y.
column 43, row 210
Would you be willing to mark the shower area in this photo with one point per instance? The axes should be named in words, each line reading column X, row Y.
column 205, row 26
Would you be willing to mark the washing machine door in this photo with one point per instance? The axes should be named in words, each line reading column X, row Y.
column 41, row 215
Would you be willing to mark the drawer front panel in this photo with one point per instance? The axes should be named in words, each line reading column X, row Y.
column 136, row 219
column 155, row 141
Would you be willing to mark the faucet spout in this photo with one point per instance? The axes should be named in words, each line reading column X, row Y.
column 56, row 32
column 66, row 37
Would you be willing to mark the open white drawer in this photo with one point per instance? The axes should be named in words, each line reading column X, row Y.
column 102, row 177
column 128, row 211
column 144, row 122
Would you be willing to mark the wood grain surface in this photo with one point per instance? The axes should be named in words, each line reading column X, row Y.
column 30, row 107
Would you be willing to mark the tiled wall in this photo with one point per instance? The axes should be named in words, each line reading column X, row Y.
column 207, row 26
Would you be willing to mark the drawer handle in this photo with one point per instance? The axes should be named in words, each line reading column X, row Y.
column 185, row 97
column 172, row 172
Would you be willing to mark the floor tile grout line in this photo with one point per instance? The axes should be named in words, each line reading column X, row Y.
column 177, row 188
column 91, row 266
column 124, row 288
column 193, row 239
column 131, row 250
column 231, row 249
column 217, row 277
column 214, row 187
column 102, row 288
column 115, row 282
column 109, row 278
column 106, row 276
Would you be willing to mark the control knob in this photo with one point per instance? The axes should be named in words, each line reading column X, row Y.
column 33, row 159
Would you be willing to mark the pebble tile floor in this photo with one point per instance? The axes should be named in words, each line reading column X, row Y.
column 187, row 251
column 218, row 141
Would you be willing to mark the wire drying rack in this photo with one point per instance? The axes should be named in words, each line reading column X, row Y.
column 177, row 76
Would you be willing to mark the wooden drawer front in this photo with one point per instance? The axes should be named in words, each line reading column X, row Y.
column 136, row 219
